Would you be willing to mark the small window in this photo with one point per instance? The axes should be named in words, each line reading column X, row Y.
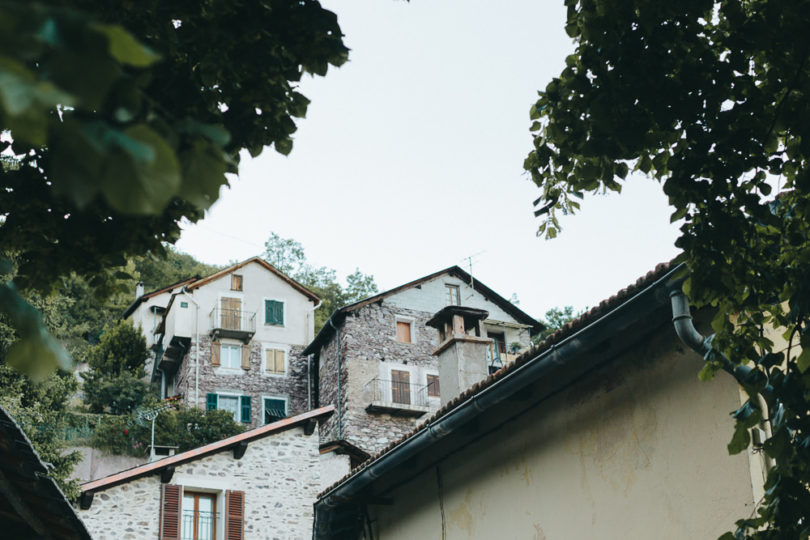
column 274, row 312
column 230, row 356
column 236, row 282
column 453, row 295
column 275, row 361
column 199, row 516
column 403, row 332
column 230, row 404
column 433, row 386
column 274, row 409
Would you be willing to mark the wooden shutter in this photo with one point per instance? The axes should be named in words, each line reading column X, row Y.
column 400, row 386
column 170, row 496
column 234, row 515
column 245, row 356
column 236, row 282
column 269, row 360
column 210, row 402
column 279, row 361
column 215, row 351
column 433, row 385
column 403, row 332
column 231, row 313
column 246, row 409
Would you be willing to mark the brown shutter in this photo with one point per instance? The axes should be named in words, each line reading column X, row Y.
column 215, row 353
column 400, row 386
column 170, row 512
column 403, row 332
column 245, row 356
column 234, row 515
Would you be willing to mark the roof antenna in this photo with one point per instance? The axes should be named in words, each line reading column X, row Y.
column 470, row 261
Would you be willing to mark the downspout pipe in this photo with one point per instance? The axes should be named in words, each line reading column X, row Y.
column 562, row 363
column 689, row 335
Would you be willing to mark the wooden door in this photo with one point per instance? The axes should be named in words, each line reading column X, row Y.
column 231, row 313
column 400, row 386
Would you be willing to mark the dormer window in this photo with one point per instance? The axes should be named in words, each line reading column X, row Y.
column 236, row 282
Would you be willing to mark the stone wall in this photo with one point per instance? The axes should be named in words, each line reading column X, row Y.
column 251, row 382
column 280, row 475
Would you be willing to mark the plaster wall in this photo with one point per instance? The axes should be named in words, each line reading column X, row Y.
column 96, row 464
column 637, row 450
column 280, row 475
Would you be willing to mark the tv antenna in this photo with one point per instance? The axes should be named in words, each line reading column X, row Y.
column 470, row 259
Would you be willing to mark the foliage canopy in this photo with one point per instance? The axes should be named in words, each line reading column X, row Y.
column 124, row 119
column 711, row 99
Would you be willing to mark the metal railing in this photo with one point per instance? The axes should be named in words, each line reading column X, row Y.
column 198, row 525
column 234, row 320
column 395, row 393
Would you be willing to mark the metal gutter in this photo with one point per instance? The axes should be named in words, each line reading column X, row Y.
column 560, row 360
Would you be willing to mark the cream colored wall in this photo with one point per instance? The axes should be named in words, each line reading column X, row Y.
column 258, row 283
column 144, row 318
column 637, row 451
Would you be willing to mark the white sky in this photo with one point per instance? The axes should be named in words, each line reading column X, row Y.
column 410, row 159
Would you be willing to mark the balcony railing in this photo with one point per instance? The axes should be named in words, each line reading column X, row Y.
column 396, row 397
column 198, row 525
column 232, row 323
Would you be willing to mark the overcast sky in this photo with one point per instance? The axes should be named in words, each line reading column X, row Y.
column 410, row 160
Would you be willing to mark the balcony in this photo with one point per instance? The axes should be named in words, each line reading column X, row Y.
column 395, row 398
column 232, row 323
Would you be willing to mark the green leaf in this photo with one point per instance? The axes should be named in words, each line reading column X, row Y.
column 803, row 361
column 284, row 146
column 125, row 48
column 739, row 441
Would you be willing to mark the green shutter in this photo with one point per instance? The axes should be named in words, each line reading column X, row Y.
column 210, row 402
column 273, row 312
column 246, row 409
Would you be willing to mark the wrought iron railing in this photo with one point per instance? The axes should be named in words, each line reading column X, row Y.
column 395, row 393
column 234, row 320
column 198, row 525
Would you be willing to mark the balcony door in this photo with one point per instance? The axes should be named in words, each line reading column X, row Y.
column 231, row 309
column 400, row 386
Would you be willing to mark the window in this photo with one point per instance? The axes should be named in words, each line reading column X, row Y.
column 238, row 406
column 403, row 332
column 453, row 295
column 433, row 386
column 230, row 356
column 199, row 516
column 274, row 312
column 400, row 386
column 236, row 282
column 275, row 361
column 274, row 409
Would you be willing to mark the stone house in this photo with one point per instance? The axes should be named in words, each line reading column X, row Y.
column 258, row 484
column 602, row 430
column 384, row 351
column 232, row 340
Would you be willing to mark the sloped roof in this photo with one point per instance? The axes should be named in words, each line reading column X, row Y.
column 294, row 284
column 146, row 296
column 340, row 314
column 202, row 451
column 604, row 309
column 31, row 504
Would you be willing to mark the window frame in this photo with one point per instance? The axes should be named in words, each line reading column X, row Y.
column 240, row 279
column 197, row 494
column 278, row 347
column 238, row 348
column 283, row 312
column 286, row 401
column 429, row 374
column 449, row 289
column 405, row 320
column 238, row 397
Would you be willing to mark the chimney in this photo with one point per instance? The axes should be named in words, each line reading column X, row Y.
column 462, row 349
column 139, row 290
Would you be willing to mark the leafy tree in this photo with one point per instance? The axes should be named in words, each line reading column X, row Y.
column 116, row 368
column 171, row 266
column 124, row 121
column 187, row 428
column 711, row 99
column 555, row 319
column 288, row 255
